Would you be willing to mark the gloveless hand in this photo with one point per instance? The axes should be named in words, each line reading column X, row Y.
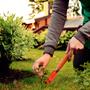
column 73, row 45
column 40, row 64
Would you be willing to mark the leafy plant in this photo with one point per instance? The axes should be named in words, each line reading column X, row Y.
column 40, row 38
column 82, row 78
column 64, row 38
column 15, row 39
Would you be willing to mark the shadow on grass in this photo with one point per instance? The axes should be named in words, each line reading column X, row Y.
column 12, row 75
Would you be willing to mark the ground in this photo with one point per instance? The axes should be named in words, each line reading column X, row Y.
column 21, row 76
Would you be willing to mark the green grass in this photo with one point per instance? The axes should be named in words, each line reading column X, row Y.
column 22, row 78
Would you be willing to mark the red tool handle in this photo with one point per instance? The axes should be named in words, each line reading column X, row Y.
column 63, row 61
column 59, row 66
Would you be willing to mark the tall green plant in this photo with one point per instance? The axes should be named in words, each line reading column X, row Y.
column 15, row 40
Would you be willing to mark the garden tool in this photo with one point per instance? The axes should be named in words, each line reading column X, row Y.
column 59, row 66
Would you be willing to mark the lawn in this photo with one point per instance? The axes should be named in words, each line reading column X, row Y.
column 21, row 77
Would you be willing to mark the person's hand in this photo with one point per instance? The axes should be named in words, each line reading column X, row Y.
column 74, row 44
column 40, row 64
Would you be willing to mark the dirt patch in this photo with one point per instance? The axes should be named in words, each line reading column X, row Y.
column 12, row 75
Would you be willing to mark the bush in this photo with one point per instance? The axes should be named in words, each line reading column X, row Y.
column 15, row 40
column 82, row 78
column 64, row 38
column 40, row 38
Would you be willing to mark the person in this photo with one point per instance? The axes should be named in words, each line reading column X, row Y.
column 79, row 43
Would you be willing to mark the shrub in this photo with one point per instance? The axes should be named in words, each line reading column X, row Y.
column 15, row 40
column 40, row 38
column 82, row 78
column 64, row 38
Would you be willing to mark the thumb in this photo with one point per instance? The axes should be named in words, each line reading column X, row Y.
column 68, row 48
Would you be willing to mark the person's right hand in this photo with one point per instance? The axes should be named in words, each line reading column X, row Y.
column 40, row 64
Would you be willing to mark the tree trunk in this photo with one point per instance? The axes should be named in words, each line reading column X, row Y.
column 5, row 61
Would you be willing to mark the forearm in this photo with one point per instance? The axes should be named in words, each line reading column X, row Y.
column 56, row 25
column 83, row 33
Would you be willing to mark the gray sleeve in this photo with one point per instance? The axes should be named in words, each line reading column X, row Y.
column 83, row 33
column 56, row 25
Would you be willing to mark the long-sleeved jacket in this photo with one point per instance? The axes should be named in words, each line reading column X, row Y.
column 58, row 19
